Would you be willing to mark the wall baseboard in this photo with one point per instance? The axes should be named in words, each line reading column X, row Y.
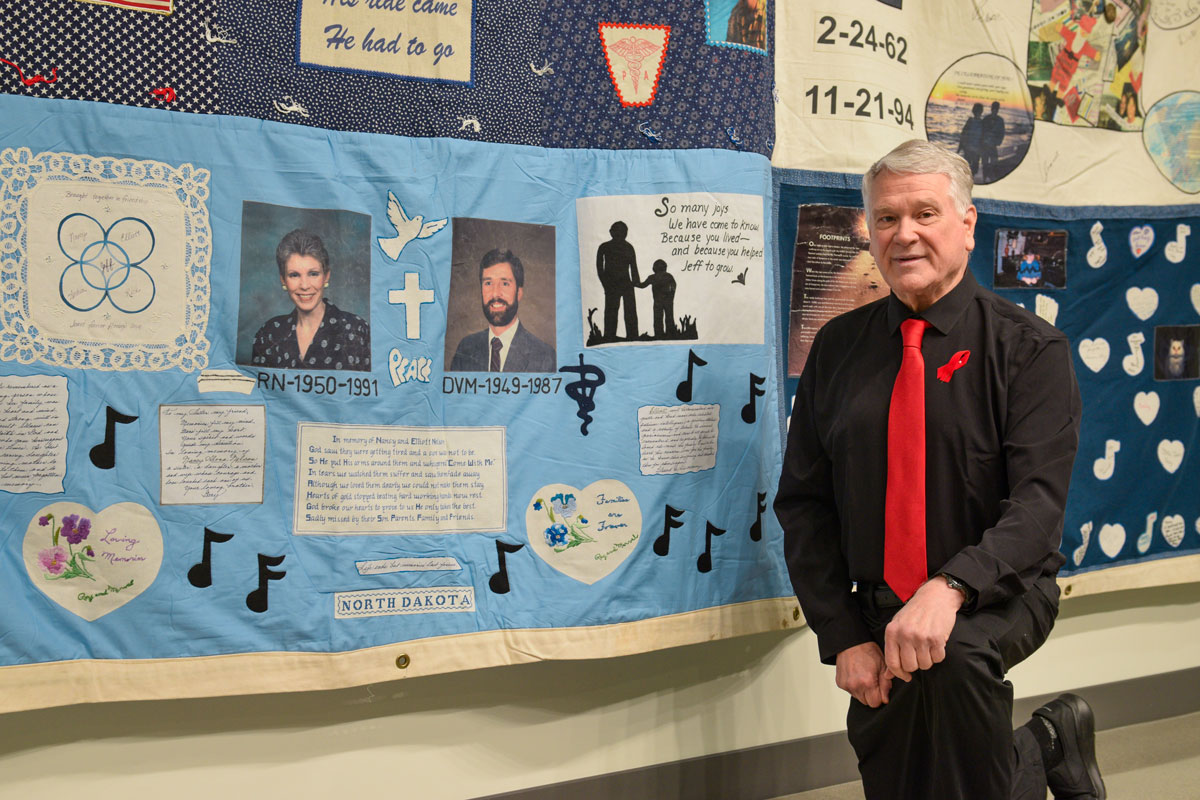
column 773, row 770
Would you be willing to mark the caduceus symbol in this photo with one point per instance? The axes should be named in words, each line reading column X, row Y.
column 633, row 50
column 582, row 390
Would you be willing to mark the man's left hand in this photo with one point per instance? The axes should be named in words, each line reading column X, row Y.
column 916, row 637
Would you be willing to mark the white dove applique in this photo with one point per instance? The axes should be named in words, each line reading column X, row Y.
column 407, row 228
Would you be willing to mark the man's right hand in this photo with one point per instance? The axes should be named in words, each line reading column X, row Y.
column 862, row 672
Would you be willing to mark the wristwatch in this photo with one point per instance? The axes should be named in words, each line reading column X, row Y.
column 954, row 583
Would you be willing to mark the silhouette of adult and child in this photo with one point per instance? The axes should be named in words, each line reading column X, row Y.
column 616, row 265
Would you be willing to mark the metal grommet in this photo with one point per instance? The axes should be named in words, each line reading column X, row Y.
column 1067, row 589
column 402, row 661
column 796, row 613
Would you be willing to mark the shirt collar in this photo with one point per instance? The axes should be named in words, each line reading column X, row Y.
column 506, row 337
column 942, row 315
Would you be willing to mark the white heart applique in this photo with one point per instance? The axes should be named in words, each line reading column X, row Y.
column 1142, row 302
column 1140, row 239
column 92, row 563
column 584, row 534
column 1094, row 353
column 1145, row 405
column 1112, row 539
column 1170, row 454
column 1195, row 294
column 1172, row 529
column 1196, row 400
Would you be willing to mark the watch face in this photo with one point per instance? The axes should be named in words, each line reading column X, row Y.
column 955, row 583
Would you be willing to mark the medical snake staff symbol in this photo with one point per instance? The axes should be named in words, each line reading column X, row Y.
column 107, row 265
column 582, row 390
column 634, row 51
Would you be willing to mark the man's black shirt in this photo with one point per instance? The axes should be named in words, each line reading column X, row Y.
column 1001, row 436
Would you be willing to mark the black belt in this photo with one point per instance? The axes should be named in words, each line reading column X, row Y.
column 877, row 595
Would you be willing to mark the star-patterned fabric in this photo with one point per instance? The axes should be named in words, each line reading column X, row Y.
column 113, row 55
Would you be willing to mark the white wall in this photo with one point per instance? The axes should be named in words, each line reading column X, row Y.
column 477, row 733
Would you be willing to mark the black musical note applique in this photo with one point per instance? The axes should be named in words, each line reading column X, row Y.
column 104, row 455
column 749, row 411
column 256, row 601
column 662, row 544
column 704, row 562
column 684, row 390
column 498, row 583
column 756, row 528
column 200, row 575
column 583, row 390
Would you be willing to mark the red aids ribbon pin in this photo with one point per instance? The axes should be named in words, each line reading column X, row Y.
column 956, row 361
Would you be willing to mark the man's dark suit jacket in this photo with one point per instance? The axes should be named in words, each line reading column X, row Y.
column 527, row 353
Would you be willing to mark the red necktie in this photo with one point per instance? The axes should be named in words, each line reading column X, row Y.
column 904, row 566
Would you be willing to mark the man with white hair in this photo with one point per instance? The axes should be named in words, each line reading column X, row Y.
column 922, row 498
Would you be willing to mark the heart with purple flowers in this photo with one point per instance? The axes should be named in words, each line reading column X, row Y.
column 91, row 563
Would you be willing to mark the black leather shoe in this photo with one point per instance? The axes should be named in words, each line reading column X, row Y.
column 1078, row 776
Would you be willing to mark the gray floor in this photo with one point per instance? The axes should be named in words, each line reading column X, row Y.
column 1159, row 760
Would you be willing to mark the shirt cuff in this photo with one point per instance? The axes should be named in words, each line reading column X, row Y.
column 842, row 637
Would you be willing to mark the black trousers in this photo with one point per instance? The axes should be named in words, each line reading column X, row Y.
column 612, row 299
column 948, row 733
